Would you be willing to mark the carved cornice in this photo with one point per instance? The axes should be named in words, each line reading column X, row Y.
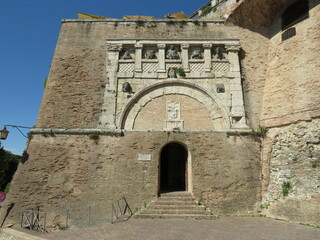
column 161, row 46
column 207, row 45
column 185, row 46
column 138, row 45
column 114, row 47
column 233, row 48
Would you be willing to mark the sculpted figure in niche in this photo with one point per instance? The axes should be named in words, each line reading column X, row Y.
column 126, row 55
column 219, row 52
column 172, row 73
column 196, row 54
column 150, row 54
column 172, row 53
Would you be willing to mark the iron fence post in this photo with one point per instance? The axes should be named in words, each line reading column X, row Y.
column 32, row 219
column 89, row 216
column 111, row 213
column 21, row 218
column 44, row 222
column 67, row 220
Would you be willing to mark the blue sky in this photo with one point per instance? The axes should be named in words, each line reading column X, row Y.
column 29, row 32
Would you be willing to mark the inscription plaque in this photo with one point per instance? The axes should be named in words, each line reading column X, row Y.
column 144, row 157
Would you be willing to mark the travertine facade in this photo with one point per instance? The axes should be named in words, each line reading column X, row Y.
column 119, row 91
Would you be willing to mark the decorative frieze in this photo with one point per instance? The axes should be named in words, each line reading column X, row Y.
column 220, row 66
column 193, row 57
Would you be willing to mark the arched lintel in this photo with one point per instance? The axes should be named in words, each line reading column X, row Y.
column 174, row 141
column 152, row 87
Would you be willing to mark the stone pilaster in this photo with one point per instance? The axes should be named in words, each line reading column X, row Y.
column 161, row 60
column 233, row 57
column 238, row 119
column 138, row 57
column 108, row 111
column 207, row 57
column 185, row 57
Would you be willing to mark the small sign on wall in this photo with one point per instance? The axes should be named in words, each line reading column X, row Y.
column 144, row 157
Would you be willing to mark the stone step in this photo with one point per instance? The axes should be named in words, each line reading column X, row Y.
column 173, row 211
column 176, row 216
column 190, row 203
column 176, row 198
column 176, row 205
column 201, row 207
column 175, row 194
column 169, row 202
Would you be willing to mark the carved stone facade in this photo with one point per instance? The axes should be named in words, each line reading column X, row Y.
column 155, row 63
column 121, row 93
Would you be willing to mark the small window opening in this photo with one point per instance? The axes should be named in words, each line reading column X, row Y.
column 289, row 33
column 295, row 13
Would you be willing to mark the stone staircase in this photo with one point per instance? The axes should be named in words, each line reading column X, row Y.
column 175, row 205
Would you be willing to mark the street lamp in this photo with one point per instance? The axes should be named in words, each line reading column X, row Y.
column 4, row 133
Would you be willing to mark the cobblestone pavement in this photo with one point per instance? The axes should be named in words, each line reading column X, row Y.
column 226, row 228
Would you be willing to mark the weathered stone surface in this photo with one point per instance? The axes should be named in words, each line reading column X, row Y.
column 292, row 87
column 295, row 159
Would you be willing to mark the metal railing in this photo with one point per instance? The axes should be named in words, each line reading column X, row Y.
column 49, row 221
column 34, row 220
column 121, row 210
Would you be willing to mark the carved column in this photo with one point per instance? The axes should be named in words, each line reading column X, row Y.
column 108, row 111
column 207, row 57
column 185, row 57
column 138, row 57
column 238, row 119
column 233, row 57
column 161, row 60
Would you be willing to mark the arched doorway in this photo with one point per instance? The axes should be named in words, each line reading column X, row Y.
column 173, row 168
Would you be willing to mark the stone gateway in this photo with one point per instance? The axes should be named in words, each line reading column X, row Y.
column 223, row 105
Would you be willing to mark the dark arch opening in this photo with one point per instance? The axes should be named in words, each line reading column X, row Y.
column 295, row 13
column 173, row 169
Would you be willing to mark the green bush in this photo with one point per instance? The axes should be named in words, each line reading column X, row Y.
column 8, row 166
column 208, row 9
column 286, row 186
column 180, row 71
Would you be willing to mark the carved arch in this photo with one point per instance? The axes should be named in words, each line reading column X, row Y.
column 142, row 97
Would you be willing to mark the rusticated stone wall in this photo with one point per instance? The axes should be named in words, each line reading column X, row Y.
column 75, row 171
column 292, row 155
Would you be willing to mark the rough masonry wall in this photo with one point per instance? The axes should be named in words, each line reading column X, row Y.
column 78, row 72
column 70, row 171
column 75, row 85
column 292, row 155
column 292, row 87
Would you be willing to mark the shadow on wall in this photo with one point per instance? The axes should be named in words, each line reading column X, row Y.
column 259, row 15
column 7, row 213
